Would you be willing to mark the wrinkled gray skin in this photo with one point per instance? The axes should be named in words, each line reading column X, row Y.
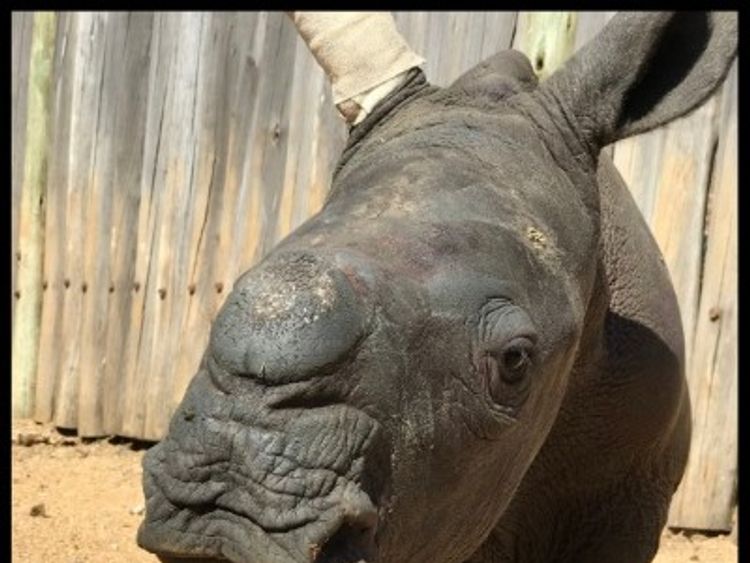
column 473, row 352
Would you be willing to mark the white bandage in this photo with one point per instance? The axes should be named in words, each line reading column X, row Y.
column 363, row 54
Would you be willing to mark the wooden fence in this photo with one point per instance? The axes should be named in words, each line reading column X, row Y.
column 157, row 156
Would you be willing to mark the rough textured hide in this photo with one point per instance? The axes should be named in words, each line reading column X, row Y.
column 472, row 353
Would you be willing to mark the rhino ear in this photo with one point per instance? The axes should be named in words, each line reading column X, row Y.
column 644, row 70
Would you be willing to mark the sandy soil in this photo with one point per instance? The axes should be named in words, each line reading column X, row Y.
column 80, row 501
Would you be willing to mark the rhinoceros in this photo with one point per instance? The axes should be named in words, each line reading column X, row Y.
column 473, row 352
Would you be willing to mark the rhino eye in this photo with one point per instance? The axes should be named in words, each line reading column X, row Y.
column 506, row 373
column 505, row 353
column 514, row 360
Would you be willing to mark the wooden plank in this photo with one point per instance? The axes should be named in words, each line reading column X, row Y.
column 225, row 117
column 330, row 142
column 131, row 85
column 30, row 237
column 453, row 42
column 246, row 220
column 448, row 53
column 300, row 119
column 639, row 161
column 413, row 26
column 454, row 50
column 240, row 230
column 471, row 43
column 22, row 23
column 546, row 38
column 270, row 140
column 140, row 333
column 273, row 127
column 706, row 497
column 679, row 204
column 86, row 90
column 310, row 127
column 436, row 39
column 168, row 295
column 52, row 336
column 172, row 163
column 99, row 175
column 497, row 32
column 206, row 185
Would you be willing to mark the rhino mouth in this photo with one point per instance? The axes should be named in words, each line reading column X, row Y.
column 220, row 534
column 262, row 486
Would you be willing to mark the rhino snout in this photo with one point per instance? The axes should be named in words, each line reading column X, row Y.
column 273, row 456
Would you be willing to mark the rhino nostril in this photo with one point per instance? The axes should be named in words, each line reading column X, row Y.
column 353, row 542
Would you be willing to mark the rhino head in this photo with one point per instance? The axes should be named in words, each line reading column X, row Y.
column 378, row 386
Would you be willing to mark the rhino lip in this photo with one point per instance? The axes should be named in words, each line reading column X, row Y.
column 345, row 538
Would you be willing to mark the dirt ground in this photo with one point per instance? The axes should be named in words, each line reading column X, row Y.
column 80, row 501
